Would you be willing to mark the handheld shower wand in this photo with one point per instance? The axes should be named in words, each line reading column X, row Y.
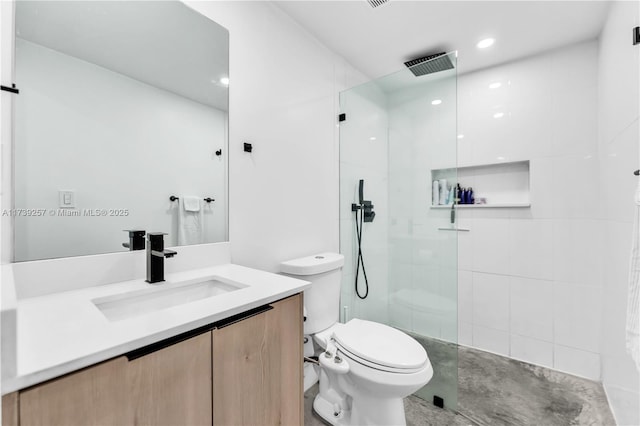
column 366, row 215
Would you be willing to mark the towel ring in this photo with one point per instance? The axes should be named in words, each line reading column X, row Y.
column 174, row 198
column 637, row 173
column 209, row 199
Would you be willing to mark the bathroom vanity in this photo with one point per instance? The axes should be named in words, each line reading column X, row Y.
column 229, row 356
column 247, row 371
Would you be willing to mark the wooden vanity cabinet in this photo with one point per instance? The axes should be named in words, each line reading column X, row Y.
column 247, row 371
column 93, row 396
column 172, row 386
column 165, row 385
column 257, row 368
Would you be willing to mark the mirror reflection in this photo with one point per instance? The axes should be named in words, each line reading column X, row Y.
column 120, row 124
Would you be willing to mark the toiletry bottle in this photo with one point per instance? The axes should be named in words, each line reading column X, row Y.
column 452, row 195
column 435, row 193
column 472, row 198
column 459, row 194
column 443, row 191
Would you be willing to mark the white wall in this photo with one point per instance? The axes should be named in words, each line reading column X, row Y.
column 530, row 280
column 119, row 144
column 284, row 100
column 618, row 149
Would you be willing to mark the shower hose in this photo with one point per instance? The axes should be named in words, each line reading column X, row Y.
column 360, row 258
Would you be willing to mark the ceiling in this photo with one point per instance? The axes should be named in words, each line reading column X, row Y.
column 161, row 43
column 378, row 41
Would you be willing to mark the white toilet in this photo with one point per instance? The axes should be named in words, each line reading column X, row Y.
column 366, row 368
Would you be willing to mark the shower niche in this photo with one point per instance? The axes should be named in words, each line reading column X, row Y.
column 500, row 185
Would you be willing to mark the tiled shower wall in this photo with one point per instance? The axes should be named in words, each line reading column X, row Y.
column 530, row 279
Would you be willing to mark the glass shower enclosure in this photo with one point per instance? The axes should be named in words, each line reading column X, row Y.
column 398, row 151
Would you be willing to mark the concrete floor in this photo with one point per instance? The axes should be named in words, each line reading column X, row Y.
column 496, row 391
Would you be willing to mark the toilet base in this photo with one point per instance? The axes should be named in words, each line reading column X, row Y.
column 327, row 411
column 364, row 412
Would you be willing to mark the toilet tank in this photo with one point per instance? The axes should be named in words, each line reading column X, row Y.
column 322, row 299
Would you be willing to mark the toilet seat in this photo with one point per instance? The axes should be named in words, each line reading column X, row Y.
column 380, row 346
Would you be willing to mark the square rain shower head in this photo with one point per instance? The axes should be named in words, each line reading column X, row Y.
column 376, row 3
column 429, row 64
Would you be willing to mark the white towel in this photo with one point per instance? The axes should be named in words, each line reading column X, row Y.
column 191, row 203
column 633, row 302
column 190, row 222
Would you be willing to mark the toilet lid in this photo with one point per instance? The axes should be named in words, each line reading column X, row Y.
column 380, row 344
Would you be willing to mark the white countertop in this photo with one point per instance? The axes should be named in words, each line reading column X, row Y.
column 63, row 332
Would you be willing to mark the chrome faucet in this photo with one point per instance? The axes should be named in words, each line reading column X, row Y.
column 155, row 256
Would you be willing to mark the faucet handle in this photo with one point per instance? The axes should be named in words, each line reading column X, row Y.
column 136, row 239
column 170, row 253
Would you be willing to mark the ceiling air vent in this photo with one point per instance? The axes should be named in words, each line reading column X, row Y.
column 376, row 3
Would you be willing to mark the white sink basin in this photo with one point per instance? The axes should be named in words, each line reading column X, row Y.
column 163, row 296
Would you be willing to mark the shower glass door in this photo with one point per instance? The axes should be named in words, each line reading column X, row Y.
column 398, row 136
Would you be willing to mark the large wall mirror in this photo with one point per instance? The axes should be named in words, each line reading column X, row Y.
column 122, row 105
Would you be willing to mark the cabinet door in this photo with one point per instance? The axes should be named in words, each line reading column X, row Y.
column 172, row 386
column 167, row 386
column 257, row 368
column 10, row 409
column 93, row 396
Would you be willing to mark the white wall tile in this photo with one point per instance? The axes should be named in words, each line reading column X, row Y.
column 573, row 68
column 465, row 333
column 578, row 362
column 426, row 324
column 531, row 350
column 426, row 278
column 491, row 340
column 465, row 243
column 401, row 317
column 531, row 248
column 618, row 159
column 575, row 188
column 491, row 301
column 541, row 188
column 576, row 251
column 574, row 121
column 449, row 328
column 491, row 245
column 465, row 297
column 577, row 311
column 625, row 404
column 531, row 308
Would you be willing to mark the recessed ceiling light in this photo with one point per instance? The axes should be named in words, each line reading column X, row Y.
column 436, row 102
column 483, row 44
column 225, row 81
column 495, row 85
column 498, row 115
column 461, row 136
column 372, row 138
column 500, row 158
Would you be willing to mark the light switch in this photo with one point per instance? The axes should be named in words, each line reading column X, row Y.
column 67, row 199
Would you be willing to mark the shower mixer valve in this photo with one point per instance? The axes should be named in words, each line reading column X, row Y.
column 367, row 210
